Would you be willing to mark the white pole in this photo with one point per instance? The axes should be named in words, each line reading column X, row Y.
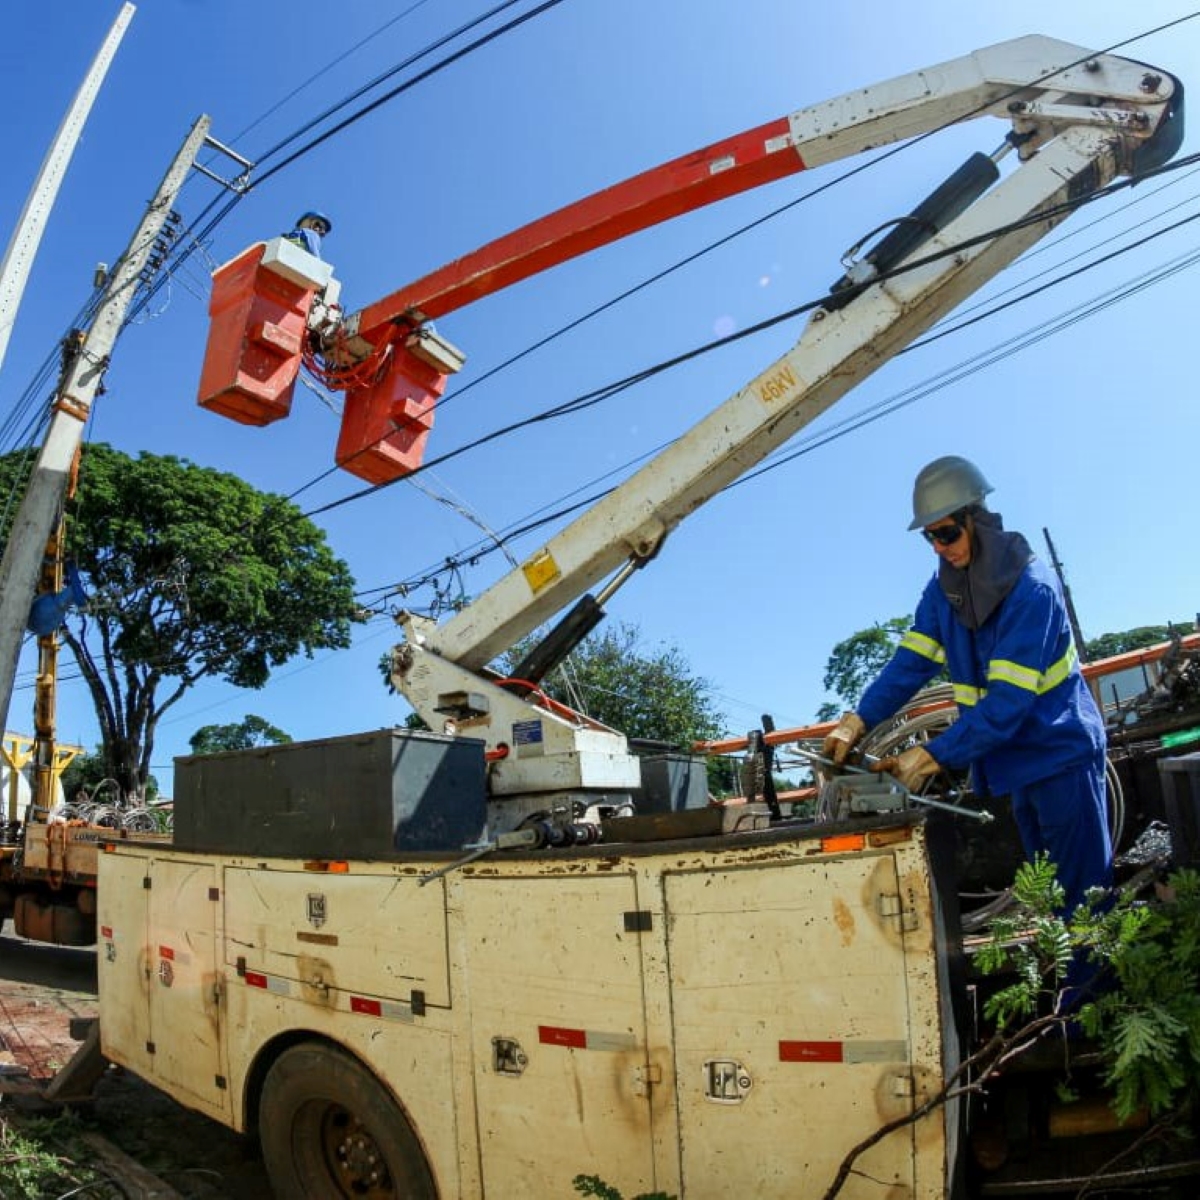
column 23, row 245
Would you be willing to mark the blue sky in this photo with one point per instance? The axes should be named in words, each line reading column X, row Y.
column 1090, row 432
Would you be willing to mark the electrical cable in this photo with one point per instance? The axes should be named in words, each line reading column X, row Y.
column 908, row 396
column 595, row 397
column 333, row 62
column 194, row 241
column 964, row 370
column 845, row 175
column 589, row 399
column 410, row 61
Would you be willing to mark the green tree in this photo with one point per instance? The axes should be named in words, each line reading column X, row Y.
column 191, row 573
column 250, row 731
column 1108, row 644
column 856, row 660
column 648, row 694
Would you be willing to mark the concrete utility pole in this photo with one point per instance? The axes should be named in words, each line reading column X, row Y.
column 82, row 373
column 27, row 236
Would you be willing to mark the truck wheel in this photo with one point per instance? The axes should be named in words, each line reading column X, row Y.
column 329, row 1129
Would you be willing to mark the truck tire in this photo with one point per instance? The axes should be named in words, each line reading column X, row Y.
column 329, row 1129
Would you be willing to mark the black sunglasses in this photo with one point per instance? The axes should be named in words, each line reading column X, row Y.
column 944, row 535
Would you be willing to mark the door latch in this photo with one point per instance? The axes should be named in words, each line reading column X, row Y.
column 726, row 1081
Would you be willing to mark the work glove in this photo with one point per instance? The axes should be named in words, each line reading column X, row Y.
column 910, row 768
column 843, row 737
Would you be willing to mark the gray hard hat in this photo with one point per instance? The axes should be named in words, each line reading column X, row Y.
column 944, row 486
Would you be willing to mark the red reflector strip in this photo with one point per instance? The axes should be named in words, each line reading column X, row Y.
column 389, row 1010
column 165, row 952
column 272, row 983
column 810, row 1052
column 554, row 1035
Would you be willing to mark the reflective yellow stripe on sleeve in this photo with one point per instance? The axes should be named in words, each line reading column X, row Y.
column 965, row 694
column 926, row 647
column 1001, row 670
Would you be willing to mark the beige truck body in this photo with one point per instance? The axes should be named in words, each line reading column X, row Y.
column 707, row 1017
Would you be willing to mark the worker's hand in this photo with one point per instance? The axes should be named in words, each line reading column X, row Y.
column 911, row 768
column 843, row 737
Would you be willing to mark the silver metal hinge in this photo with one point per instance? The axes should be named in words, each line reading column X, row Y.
column 891, row 907
column 645, row 1077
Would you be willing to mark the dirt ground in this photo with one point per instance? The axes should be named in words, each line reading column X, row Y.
column 41, row 989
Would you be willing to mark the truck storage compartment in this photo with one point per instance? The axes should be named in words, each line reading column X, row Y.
column 1181, row 801
column 671, row 782
column 372, row 795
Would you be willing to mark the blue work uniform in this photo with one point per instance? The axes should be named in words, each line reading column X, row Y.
column 1027, row 723
column 306, row 239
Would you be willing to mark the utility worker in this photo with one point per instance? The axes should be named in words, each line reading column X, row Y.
column 994, row 616
column 309, row 230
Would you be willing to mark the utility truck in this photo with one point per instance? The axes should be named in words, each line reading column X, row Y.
column 480, row 961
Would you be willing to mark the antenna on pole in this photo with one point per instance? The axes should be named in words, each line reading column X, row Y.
column 27, row 236
column 1072, row 616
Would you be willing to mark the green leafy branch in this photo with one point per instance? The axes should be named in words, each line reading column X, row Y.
column 1144, row 1015
column 1144, row 1009
column 593, row 1185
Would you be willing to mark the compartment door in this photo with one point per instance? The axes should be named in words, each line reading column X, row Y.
column 792, row 1026
column 185, row 999
column 554, row 983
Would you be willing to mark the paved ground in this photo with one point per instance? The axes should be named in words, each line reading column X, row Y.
column 41, row 989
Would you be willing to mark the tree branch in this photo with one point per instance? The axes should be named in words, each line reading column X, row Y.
column 988, row 1059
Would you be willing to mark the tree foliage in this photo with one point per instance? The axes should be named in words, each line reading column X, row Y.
column 1108, row 644
column 250, row 731
column 643, row 693
column 856, row 660
column 86, row 777
column 593, row 1185
column 1144, row 1007
column 191, row 573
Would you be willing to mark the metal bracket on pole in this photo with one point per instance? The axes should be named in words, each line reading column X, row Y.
column 239, row 183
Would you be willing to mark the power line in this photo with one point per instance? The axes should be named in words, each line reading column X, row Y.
column 191, row 241
column 910, row 396
column 607, row 391
column 588, row 399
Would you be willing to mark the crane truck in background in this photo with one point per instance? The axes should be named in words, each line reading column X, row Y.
column 466, row 962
